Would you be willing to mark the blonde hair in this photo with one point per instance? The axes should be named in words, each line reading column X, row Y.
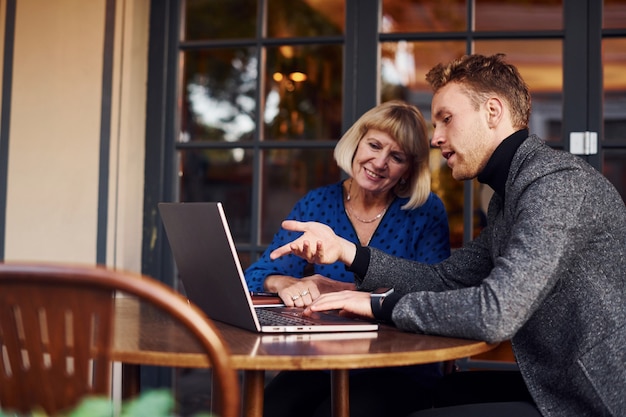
column 406, row 125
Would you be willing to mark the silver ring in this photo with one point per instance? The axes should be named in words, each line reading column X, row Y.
column 295, row 297
column 303, row 293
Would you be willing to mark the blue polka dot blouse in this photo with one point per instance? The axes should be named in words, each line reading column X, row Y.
column 420, row 234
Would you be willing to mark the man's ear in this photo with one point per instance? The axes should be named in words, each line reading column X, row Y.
column 495, row 111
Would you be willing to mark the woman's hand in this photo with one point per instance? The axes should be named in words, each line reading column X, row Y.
column 318, row 244
column 301, row 292
column 355, row 302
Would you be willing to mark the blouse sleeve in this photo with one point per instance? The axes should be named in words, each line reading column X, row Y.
column 434, row 242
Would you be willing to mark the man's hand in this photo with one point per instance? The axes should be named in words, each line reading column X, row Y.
column 355, row 302
column 318, row 244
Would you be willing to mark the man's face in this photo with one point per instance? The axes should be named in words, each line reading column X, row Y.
column 461, row 131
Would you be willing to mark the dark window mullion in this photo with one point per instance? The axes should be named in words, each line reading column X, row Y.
column 257, row 155
column 283, row 144
column 486, row 35
column 361, row 59
column 595, row 113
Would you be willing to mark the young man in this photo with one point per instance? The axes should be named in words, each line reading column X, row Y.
column 548, row 271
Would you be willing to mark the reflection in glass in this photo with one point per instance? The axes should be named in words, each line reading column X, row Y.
column 614, row 14
column 303, row 96
column 614, row 66
column 404, row 66
column 540, row 62
column 288, row 175
column 400, row 16
column 305, row 18
column 218, row 95
column 219, row 19
column 614, row 75
column 220, row 175
column 493, row 15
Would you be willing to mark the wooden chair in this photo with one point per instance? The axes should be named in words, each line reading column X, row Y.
column 56, row 333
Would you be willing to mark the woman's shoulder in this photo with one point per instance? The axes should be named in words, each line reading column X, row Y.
column 432, row 204
column 320, row 203
column 330, row 188
column 326, row 192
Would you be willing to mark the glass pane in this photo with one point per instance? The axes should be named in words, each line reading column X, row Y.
column 614, row 168
column 303, row 96
column 404, row 66
column 614, row 14
column 403, row 69
column 614, row 79
column 541, row 64
column 245, row 259
column 305, row 18
column 218, row 95
column 518, row 15
column 400, row 16
column 451, row 193
column 614, row 67
column 288, row 175
column 220, row 175
column 219, row 19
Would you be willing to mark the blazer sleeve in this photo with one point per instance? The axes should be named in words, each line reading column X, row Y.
column 488, row 289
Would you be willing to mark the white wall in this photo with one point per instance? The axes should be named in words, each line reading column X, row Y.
column 128, row 135
column 52, row 197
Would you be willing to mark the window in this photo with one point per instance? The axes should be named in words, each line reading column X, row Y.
column 267, row 87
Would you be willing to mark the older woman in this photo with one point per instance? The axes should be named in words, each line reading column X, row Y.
column 386, row 203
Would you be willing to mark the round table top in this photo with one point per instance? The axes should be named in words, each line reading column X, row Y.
column 145, row 336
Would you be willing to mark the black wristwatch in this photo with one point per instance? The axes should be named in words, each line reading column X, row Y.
column 376, row 301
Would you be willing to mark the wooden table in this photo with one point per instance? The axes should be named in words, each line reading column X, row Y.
column 143, row 336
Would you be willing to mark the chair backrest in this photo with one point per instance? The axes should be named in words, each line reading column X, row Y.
column 56, row 333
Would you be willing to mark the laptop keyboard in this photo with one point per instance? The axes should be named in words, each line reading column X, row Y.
column 275, row 318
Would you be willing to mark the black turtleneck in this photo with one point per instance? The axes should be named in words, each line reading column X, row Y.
column 497, row 169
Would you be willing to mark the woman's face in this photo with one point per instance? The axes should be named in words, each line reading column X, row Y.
column 379, row 162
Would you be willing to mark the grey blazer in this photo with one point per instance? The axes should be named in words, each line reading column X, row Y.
column 548, row 272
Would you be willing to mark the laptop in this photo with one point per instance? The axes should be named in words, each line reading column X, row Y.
column 212, row 277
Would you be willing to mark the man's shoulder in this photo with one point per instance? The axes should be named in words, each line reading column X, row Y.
column 535, row 156
column 559, row 171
